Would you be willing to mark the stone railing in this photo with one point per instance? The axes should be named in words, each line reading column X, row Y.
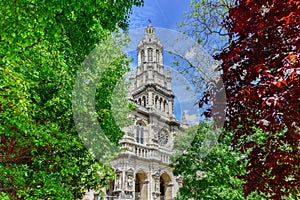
column 164, row 158
column 143, row 151
column 147, row 153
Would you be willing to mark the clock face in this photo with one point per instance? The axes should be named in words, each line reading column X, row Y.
column 163, row 137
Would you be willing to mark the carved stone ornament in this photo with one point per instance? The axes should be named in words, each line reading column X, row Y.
column 129, row 179
column 118, row 181
column 129, row 195
column 163, row 137
column 179, row 180
column 156, row 177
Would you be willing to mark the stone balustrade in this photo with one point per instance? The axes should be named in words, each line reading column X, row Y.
column 147, row 153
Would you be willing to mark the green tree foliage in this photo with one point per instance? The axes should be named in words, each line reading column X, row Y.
column 207, row 174
column 43, row 44
column 204, row 22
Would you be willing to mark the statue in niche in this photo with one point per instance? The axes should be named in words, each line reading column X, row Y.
column 129, row 182
column 179, row 179
column 118, row 182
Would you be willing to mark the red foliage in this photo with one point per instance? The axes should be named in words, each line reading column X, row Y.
column 261, row 74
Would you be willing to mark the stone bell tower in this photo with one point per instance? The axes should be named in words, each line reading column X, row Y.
column 143, row 171
column 149, row 142
column 151, row 84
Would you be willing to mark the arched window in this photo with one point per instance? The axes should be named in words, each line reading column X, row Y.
column 165, row 103
column 156, row 100
column 157, row 56
column 137, row 136
column 150, row 55
column 166, row 107
column 139, row 133
column 160, row 104
column 143, row 56
column 144, row 101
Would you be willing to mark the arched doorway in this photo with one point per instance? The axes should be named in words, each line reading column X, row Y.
column 165, row 187
column 141, row 187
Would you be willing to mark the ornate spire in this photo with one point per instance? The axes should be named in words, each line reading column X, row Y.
column 183, row 120
column 150, row 30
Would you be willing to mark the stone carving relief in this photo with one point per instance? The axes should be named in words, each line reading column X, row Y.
column 179, row 179
column 156, row 187
column 156, row 177
column 129, row 183
column 129, row 180
column 163, row 137
column 129, row 195
column 118, row 181
column 130, row 131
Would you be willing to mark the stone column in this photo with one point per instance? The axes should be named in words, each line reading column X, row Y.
column 168, row 82
column 146, row 55
column 156, row 185
column 139, row 57
column 150, row 99
column 118, row 184
column 160, row 57
column 129, row 184
column 170, row 107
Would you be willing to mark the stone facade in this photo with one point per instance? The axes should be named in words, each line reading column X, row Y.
column 142, row 170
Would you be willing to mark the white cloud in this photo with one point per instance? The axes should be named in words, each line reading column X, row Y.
column 192, row 119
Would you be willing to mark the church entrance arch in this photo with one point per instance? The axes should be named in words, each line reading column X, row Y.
column 165, row 187
column 141, row 186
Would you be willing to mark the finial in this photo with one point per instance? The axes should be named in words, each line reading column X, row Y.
column 183, row 118
column 149, row 20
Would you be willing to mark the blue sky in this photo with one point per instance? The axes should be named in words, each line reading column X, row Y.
column 162, row 13
column 168, row 14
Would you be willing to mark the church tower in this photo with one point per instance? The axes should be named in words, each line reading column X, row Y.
column 142, row 169
column 151, row 84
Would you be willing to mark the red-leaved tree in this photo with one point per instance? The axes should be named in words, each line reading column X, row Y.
column 261, row 75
